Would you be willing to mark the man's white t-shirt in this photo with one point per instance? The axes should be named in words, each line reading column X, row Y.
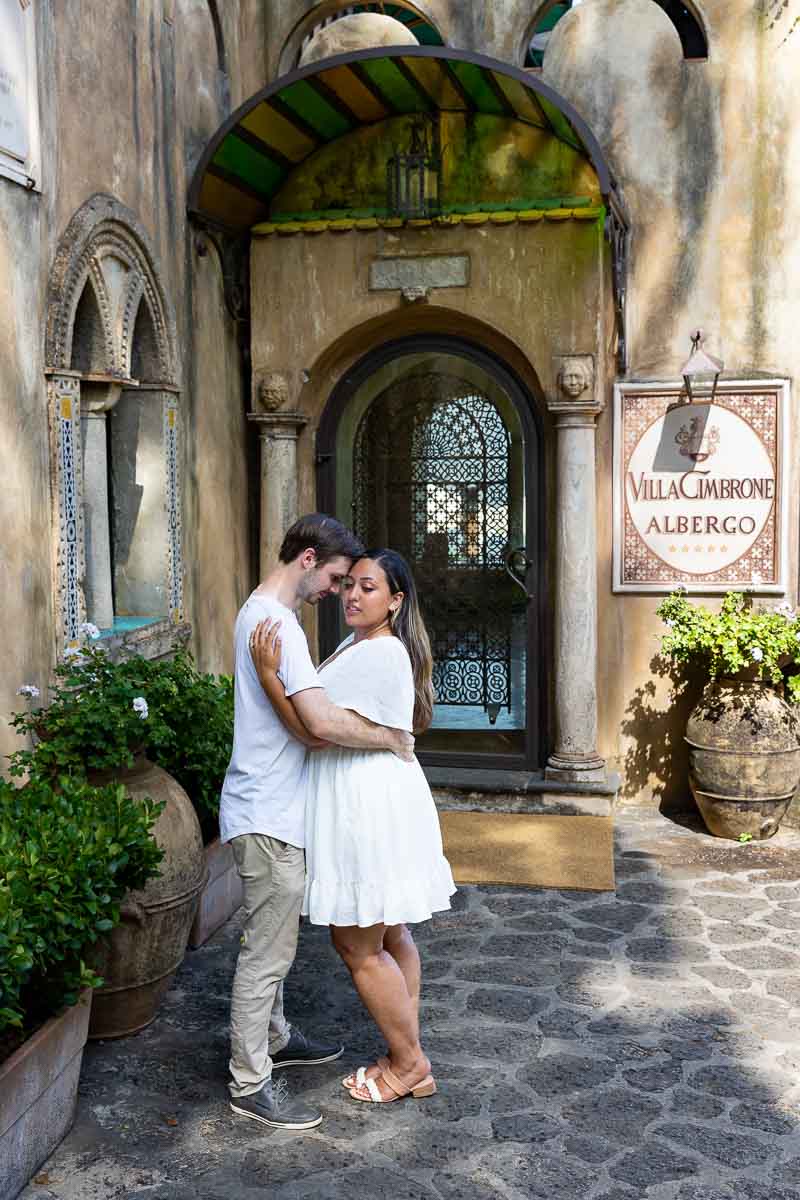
column 263, row 791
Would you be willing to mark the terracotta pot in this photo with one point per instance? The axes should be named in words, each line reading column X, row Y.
column 139, row 958
column 38, row 1094
column 744, row 758
column 222, row 894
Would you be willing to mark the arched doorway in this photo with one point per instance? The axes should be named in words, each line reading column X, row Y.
column 431, row 445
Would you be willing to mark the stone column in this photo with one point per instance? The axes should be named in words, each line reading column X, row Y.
column 278, row 433
column 95, row 404
column 575, row 758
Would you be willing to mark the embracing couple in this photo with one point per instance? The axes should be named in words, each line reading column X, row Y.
column 328, row 813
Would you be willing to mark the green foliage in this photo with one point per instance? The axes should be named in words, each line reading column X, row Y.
column 103, row 713
column 68, row 854
column 193, row 742
column 91, row 723
column 736, row 638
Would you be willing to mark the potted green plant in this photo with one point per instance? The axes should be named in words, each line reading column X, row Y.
column 69, row 853
column 189, row 701
column 743, row 737
column 101, row 718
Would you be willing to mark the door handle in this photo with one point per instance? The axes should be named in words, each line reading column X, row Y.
column 517, row 566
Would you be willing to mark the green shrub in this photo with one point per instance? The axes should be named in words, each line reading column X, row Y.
column 736, row 637
column 103, row 713
column 68, row 854
column 95, row 719
column 194, row 738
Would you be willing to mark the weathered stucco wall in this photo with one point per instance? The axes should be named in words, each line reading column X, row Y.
column 130, row 92
column 707, row 155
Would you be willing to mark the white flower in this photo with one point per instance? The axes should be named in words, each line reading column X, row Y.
column 89, row 630
column 73, row 652
column 678, row 590
column 785, row 609
column 670, row 623
column 140, row 706
column 757, row 653
column 28, row 689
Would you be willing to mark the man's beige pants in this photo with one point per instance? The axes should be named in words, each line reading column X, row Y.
column 273, row 874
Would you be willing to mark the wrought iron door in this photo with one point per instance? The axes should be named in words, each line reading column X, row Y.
column 432, row 464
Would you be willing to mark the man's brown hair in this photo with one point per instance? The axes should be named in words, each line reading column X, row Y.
column 326, row 536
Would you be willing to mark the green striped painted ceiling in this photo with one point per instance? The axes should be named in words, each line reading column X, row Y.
column 255, row 151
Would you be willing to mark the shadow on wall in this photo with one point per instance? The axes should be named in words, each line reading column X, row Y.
column 657, row 758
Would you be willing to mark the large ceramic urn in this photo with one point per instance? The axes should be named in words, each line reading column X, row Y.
column 744, row 758
column 139, row 958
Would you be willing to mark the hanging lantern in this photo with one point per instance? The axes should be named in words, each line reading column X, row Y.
column 413, row 177
column 701, row 372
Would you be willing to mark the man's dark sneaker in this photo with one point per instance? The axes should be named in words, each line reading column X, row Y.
column 301, row 1051
column 273, row 1105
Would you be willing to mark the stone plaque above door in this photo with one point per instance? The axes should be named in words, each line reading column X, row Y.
column 419, row 274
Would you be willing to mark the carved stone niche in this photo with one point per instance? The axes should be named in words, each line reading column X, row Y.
column 575, row 383
column 272, row 391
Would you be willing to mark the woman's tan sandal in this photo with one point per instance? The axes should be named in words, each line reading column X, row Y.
column 425, row 1087
column 359, row 1078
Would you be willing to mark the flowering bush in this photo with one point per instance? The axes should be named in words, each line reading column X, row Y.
column 103, row 713
column 737, row 637
column 98, row 717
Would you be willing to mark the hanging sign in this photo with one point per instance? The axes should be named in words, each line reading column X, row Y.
column 699, row 489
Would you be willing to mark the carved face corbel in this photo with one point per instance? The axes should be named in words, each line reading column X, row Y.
column 575, row 382
column 272, row 391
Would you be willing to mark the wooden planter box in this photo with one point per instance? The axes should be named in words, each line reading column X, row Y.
column 38, row 1094
column 220, row 897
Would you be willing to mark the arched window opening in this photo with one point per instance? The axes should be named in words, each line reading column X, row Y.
column 693, row 39
column 145, row 361
column 138, row 514
column 113, row 386
column 89, row 354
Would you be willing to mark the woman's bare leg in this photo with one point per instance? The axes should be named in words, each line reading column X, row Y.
column 398, row 942
column 382, row 987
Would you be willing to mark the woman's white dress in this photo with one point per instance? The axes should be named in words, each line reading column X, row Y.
column 373, row 844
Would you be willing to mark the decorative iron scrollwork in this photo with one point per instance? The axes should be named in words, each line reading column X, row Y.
column 618, row 235
column 431, row 479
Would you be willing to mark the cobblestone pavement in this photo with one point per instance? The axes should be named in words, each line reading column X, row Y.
column 643, row 1044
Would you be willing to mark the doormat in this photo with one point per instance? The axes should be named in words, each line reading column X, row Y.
column 530, row 849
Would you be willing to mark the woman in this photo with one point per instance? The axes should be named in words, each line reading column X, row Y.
column 374, row 859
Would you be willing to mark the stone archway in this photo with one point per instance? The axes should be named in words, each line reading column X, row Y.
column 107, row 314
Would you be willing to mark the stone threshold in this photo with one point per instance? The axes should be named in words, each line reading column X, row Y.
column 519, row 792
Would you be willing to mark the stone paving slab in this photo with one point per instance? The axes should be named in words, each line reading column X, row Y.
column 615, row 1047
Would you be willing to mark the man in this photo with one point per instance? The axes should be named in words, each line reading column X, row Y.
column 262, row 816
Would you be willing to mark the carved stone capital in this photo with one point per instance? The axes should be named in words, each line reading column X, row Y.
column 278, row 426
column 575, row 385
column 99, row 398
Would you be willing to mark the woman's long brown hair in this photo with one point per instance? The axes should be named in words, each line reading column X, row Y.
column 409, row 627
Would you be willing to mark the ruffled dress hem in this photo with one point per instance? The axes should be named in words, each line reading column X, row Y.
column 378, row 902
